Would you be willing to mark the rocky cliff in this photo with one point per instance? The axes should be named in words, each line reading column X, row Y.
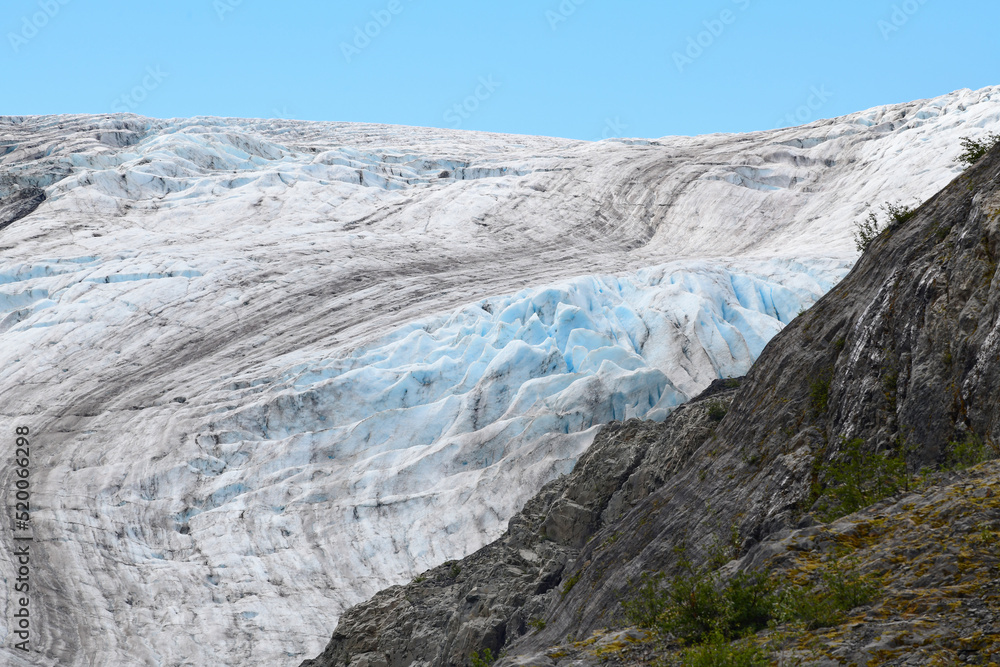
column 904, row 354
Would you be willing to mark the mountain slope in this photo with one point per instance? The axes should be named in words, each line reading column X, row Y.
column 910, row 344
column 251, row 353
column 904, row 353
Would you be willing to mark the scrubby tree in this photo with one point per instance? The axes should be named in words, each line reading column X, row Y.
column 973, row 150
column 866, row 230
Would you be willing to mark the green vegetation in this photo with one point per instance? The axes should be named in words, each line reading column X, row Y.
column 857, row 479
column 970, row 452
column 711, row 616
column 570, row 583
column 486, row 660
column 866, row 231
column 973, row 150
column 819, row 392
column 717, row 410
column 456, row 570
column 537, row 624
column 870, row 227
column 842, row 588
column 717, row 651
column 697, row 605
column 899, row 212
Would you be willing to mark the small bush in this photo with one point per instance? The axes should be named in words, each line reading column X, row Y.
column 717, row 410
column 866, row 231
column 899, row 212
column 847, row 586
column 970, row 452
column 858, row 479
column 648, row 601
column 486, row 660
column 698, row 605
column 973, row 150
column 750, row 602
column 570, row 583
column 805, row 605
column 870, row 227
column 843, row 588
column 456, row 570
column 717, row 651
column 537, row 624
column 819, row 393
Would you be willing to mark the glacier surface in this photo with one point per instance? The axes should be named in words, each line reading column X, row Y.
column 271, row 367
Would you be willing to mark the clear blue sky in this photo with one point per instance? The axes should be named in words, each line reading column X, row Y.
column 572, row 68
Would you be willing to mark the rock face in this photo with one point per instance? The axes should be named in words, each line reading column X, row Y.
column 20, row 204
column 930, row 555
column 904, row 353
column 503, row 590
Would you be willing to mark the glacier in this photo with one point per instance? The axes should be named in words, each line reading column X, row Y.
column 271, row 367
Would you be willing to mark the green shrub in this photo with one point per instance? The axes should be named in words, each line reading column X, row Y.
column 750, row 602
column 857, row 478
column 970, row 452
column 697, row 604
column 870, row 227
column 843, row 588
column 866, row 231
column 973, row 150
column 570, row 583
column 819, row 393
column 899, row 212
column 805, row 605
column 847, row 586
column 537, row 624
column 649, row 600
column 717, row 410
column 717, row 651
column 486, row 660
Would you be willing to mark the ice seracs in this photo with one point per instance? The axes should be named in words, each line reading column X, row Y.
column 271, row 367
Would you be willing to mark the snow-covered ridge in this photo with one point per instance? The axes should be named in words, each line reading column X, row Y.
column 271, row 366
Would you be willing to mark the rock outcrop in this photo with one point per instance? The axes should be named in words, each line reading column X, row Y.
column 502, row 591
column 904, row 354
column 930, row 554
